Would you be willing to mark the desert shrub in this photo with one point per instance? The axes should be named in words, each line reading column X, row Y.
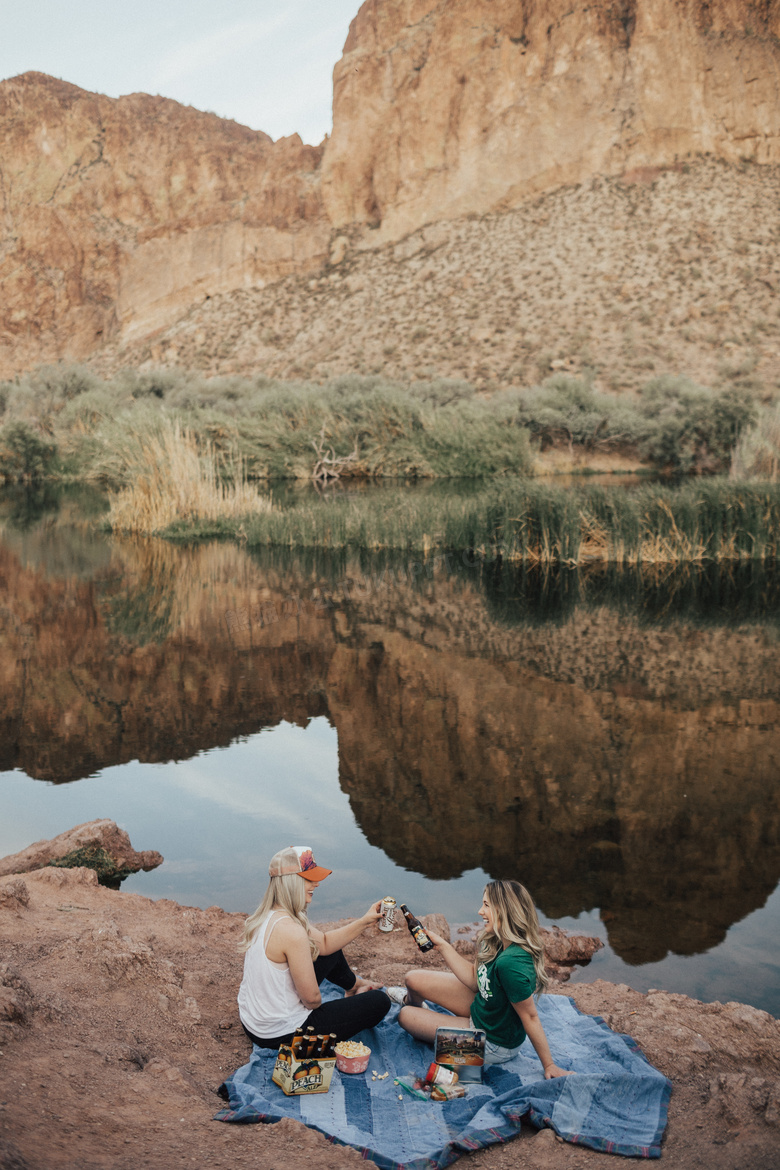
column 692, row 428
column 42, row 394
column 150, row 384
column 757, row 451
column 93, row 407
column 569, row 408
column 24, row 452
column 435, row 428
column 443, row 391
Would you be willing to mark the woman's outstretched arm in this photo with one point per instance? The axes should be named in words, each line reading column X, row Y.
column 330, row 941
column 529, row 1018
column 460, row 966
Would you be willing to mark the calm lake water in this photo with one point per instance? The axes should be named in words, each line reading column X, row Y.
column 611, row 739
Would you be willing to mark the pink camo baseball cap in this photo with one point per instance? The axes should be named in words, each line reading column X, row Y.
column 297, row 859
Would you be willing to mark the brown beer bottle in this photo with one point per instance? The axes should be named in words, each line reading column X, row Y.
column 295, row 1044
column 324, row 1049
column 417, row 930
column 309, row 1046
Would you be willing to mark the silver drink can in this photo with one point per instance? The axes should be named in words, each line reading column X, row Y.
column 388, row 912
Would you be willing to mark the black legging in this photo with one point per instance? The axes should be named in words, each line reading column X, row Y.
column 346, row 1017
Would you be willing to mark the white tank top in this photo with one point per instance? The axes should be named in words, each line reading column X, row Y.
column 268, row 1004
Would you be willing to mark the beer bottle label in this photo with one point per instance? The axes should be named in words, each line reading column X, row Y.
column 420, row 937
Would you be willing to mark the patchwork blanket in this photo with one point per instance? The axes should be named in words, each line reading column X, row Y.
column 617, row 1102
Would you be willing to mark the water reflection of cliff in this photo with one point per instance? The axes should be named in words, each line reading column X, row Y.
column 607, row 761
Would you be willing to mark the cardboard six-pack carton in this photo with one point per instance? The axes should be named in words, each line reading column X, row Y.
column 294, row 1076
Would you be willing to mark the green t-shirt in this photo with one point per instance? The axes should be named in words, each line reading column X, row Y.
column 509, row 978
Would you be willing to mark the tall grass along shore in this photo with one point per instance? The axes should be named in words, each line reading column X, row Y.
column 173, row 481
column 527, row 521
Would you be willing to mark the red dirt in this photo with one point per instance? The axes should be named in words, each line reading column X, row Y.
column 118, row 1022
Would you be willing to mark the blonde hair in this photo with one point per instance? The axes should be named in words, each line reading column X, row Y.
column 514, row 921
column 286, row 893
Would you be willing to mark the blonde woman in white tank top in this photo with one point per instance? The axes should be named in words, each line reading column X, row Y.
column 285, row 960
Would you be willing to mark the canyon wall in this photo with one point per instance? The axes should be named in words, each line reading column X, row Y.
column 119, row 215
column 443, row 108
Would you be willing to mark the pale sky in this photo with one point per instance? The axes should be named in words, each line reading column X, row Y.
column 265, row 63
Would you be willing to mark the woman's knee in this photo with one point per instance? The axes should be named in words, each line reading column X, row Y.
column 416, row 980
column 404, row 1019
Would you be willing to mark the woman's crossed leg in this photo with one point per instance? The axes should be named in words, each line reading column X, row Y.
column 438, row 987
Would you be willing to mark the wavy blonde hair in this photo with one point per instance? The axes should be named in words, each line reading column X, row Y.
column 288, row 894
column 514, row 921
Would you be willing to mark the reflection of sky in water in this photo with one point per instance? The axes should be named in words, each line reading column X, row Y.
column 218, row 818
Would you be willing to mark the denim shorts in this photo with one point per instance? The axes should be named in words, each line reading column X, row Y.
column 494, row 1053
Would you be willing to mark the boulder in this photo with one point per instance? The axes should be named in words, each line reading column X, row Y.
column 560, row 947
column 100, row 845
column 562, row 951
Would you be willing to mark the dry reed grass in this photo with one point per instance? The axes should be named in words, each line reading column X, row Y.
column 757, row 452
column 174, row 481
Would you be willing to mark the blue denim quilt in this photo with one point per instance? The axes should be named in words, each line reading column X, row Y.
column 617, row 1102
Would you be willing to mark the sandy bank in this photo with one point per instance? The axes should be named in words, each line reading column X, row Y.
column 118, row 1022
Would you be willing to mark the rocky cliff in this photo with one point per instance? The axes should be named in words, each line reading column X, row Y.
column 674, row 272
column 118, row 215
column 448, row 107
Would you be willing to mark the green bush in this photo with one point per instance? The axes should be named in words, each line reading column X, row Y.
column 42, row 394
column 569, row 409
column 691, row 428
column 109, row 873
column 24, row 453
column 435, row 428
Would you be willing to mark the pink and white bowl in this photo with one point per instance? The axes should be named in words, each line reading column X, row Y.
column 353, row 1064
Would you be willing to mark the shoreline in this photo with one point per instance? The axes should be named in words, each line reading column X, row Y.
column 119, row 1022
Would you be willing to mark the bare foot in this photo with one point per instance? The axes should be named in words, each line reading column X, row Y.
column 363, row 985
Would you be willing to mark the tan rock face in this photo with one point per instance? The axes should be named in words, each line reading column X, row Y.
column 120, row 214
column 445, row 108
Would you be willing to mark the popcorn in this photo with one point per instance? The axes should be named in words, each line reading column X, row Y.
column 351, row 1048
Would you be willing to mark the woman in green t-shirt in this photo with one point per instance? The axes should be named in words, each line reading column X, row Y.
column 506, row 975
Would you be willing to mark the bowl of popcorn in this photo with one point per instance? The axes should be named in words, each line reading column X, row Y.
column 351, row 1056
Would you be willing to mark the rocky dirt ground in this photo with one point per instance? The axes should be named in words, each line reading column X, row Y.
column 658, row 272
column 118, row 1022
